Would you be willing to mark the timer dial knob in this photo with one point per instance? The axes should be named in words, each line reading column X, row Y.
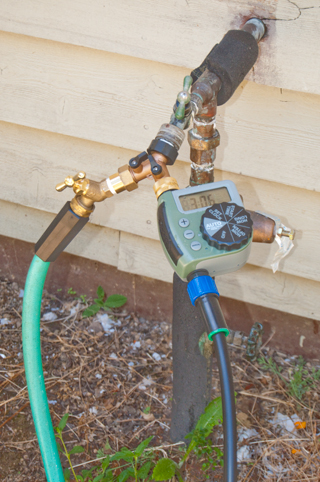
column 226, row 226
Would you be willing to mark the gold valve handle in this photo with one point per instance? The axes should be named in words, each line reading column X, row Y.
column 69, row 181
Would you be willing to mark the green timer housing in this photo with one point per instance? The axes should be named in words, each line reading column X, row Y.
column 205, row 227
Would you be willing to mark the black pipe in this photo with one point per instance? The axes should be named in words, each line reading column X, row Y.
column 211, row 312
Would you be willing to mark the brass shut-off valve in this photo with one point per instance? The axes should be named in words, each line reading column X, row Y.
column 88, row 192
column 70, row 181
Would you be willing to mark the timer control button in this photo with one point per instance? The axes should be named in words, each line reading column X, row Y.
column 188, row 234
column 195, row 245
column 184, row 222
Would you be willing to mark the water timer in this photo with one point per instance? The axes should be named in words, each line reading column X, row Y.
column 205, row 227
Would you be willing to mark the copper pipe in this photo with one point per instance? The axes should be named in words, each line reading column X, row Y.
column 263, row 228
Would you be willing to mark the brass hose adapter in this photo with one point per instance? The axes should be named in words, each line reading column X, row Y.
column 165, row 184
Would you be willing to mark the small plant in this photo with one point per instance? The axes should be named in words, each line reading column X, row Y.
column 270, row 365
column 113, row 301
column 143, row 463
column 77, row 449
column 71, row 291
column 200, row 442
column 83, row 298
column 300, row 381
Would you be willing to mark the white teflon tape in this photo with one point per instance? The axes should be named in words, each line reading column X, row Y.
column 110, row 186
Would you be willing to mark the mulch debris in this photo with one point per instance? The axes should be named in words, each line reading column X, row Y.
column 113, row 374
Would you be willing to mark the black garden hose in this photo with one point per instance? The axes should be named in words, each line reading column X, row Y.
column 211, row 312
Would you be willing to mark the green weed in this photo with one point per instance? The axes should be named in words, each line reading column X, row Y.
column 71, row 291
column 143, row 463
column 300, row 380
column 200, row 442
column 113, row 301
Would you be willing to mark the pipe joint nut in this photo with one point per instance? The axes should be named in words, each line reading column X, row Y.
column 203, row 143
column 127, row 179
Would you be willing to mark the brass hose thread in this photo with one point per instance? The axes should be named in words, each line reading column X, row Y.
column 79, row 208
column 165, row 184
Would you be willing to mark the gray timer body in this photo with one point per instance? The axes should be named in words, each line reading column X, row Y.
column 205, row 227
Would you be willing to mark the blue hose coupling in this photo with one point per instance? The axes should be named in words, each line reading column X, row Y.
column 201, row 285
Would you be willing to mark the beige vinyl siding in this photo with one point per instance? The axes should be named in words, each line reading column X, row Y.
column 181, row 32
column 266, row 132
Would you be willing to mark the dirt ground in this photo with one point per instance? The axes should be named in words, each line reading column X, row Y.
column 113, row 375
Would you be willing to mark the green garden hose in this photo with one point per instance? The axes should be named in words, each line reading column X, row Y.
column 33, row 368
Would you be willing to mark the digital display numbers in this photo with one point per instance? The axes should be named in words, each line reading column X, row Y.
column 203, row 199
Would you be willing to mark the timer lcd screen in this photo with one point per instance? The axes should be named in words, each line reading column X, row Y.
column 203, row 199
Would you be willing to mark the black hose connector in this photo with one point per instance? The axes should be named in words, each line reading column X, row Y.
column 202, row 286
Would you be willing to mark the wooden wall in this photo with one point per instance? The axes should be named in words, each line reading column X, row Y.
column 86, row 85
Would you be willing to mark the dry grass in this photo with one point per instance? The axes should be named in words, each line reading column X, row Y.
column 107, row 381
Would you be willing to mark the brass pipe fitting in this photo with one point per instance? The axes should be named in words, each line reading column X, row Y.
column 165, row 184
column 123, row 180
column 144, row 170
column 82, row 206
column 88, row 192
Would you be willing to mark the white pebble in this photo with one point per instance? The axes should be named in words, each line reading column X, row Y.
column 136, row 344
column 49, row 316
column 156, row 356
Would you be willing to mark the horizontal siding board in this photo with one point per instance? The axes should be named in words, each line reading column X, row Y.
column 179, row 33
column 32, row 162
column 251, row 284
column 96, row 243
column 265, row 132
